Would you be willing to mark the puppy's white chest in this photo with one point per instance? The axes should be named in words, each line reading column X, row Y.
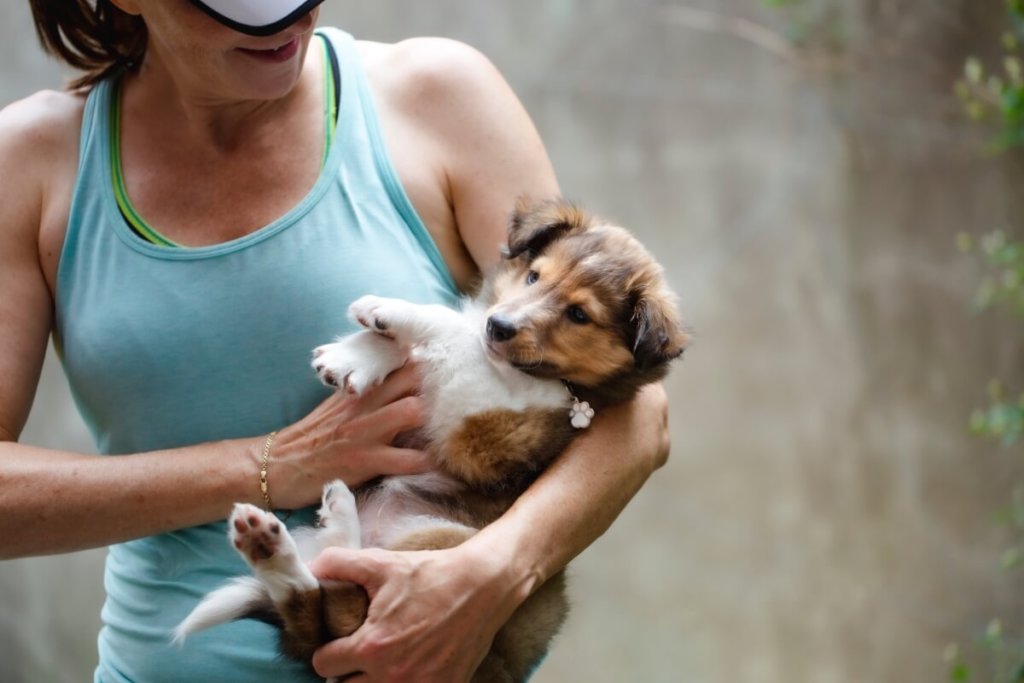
column 459, row 380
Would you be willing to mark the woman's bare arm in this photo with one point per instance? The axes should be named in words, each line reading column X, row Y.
column 53, row 501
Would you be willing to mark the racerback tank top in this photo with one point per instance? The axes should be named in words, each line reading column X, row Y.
column 165, row 347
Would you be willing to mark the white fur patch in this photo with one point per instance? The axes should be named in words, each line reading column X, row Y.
column 385, row 509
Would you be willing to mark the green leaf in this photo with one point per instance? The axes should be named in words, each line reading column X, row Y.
column 964, row 242
column 1013, row 68
column 977, row 423
column 973, row 70
column 993, row 241
column 1012, row 558
column 994, row 631
column 994, row 389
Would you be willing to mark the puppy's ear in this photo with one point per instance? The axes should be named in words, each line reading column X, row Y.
column 660, row 335
column 534, row 226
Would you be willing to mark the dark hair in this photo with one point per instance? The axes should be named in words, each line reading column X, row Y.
column 94, row 36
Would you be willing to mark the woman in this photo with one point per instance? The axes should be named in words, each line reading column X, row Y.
column 188, row 222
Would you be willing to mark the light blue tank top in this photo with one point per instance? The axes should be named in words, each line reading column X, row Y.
column 165, row 347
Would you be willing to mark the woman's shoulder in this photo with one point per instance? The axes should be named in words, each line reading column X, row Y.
column 41, row 130
column 436, row 76
column 46, row 115
column 38, row 161
column 443, row 62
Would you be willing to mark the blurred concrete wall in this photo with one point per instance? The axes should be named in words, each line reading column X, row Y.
column 824, row 516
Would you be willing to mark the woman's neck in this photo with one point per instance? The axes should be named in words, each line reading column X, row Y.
column 208, row 115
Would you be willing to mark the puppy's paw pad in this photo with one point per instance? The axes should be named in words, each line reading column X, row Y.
column 256, row 534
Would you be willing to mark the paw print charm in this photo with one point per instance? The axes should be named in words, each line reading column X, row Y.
column 580, row 414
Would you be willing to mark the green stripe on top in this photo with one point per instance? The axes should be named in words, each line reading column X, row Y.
column 137, row 223
column 330, row 98
column 120, row 193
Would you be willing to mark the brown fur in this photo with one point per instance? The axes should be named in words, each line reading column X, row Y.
column 497, row 449
column 301, row 624
column 344, row 609
column 630, row 333
column 433, row 539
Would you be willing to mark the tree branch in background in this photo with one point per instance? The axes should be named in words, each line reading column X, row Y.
column 758, row 35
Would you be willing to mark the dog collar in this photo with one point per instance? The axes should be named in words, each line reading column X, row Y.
column 257, row 17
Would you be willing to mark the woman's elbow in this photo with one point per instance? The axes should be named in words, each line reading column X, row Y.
column 655, row 400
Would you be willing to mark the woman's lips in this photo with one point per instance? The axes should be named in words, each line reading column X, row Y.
column 280, row 54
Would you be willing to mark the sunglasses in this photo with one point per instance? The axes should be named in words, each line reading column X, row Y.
column 257, row 17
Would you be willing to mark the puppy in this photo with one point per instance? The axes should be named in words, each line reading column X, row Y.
column 577, row 317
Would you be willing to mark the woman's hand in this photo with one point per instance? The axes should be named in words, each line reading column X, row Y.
column 432, row 616
column 349, row 438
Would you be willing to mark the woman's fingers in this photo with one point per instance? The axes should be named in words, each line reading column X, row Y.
column 399, row 461
column 364, row 444
column 402, row 382
column 399, row 416
column 344, row 564
column 432, row 615
column 349, row 437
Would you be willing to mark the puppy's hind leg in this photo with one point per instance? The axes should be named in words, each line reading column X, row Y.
column 280, row 576
column 265, row 544
column 339, row 519
column 344, row 603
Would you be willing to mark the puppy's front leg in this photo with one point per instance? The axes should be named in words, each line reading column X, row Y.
column 357, row 362
column 405, row 322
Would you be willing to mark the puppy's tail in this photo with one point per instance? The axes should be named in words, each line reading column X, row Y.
column 243, row 597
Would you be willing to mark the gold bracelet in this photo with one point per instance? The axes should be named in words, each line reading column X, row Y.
column 264, row 464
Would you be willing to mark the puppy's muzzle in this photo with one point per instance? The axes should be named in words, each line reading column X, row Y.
column 500, row 329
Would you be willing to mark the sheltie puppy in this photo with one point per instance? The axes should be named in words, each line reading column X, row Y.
column 577, row 317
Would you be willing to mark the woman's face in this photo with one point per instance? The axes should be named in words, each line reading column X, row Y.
column 209, row 60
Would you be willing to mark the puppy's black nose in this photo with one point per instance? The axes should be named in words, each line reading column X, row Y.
column 499, row 329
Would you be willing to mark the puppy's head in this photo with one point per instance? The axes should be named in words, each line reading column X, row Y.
column 581, row 300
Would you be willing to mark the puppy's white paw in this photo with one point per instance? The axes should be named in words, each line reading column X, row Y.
column 338, row 500
column 339, row 519
column 357, row 362
column 337, row 367
column 258, row 535
column 381, row 315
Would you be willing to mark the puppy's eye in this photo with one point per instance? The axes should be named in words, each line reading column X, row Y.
column 532, row 277
column 577, row 315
